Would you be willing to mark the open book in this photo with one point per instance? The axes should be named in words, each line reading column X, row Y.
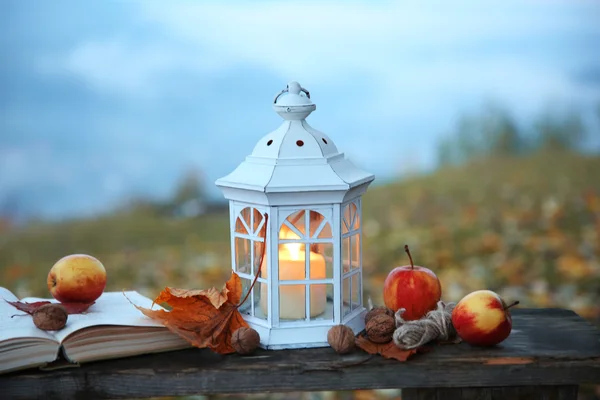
column 111, row 328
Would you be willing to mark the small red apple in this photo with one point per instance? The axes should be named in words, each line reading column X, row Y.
column 414, row 288
column 77, row 278
column 482, row 318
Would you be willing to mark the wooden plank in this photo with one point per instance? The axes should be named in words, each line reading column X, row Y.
column 517, row 393
column 550, row 392
column 496, row 393
column 448, row 394
column 476, row 393
column 418, row 394
column 146, row 378
column 547, row 347
column 567, row 392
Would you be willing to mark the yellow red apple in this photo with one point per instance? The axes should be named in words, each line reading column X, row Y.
column 77, row 278
column 482, row 318
column 414, row 288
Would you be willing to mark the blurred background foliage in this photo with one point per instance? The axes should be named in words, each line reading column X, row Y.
column 508, row 210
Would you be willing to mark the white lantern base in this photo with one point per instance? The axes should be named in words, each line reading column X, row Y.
column 301, row 336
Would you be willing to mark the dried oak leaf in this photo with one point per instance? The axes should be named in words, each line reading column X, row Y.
column 387, row 350
column 30, row 308
column 205, row 318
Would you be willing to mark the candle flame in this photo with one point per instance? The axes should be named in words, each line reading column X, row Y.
column 295, row 250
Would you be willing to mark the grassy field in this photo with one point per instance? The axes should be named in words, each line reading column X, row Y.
column 528, row 228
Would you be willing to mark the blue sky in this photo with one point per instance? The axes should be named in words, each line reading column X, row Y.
column 104, row 100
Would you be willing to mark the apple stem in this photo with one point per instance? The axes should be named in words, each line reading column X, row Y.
column 412, row 265
column 511, row 305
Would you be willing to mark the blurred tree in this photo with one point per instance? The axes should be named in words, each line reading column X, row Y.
column 468, row 139
column 490, row 132
column 189, row 199
column 494, row 132
column 190, row 187
column 445, row 152
column 190, row 196
column 503, row 137
column 460, row 145
column 11, row 208
column 556, row 130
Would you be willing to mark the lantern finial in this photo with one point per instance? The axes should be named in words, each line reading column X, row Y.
column 295, row 88
column 293, row 102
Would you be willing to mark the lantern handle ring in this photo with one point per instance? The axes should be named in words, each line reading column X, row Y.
column 287, row 89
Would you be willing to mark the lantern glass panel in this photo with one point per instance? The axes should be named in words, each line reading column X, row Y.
column 321, row 305
column 330, row 303
column 349, row 217
column 249, row 249
column 320, row 228
column 292, row 302
column 241, row 226
column 346, row 257
column 294, row 227
column 292, row 263
column 326, row 250
column 249, row 246
column 346, row 296
column 260, row 299
column 259, row 255
column 243, row 256
column 356, row 224
column 355, row 251
column 257, row 222
column 325, row 232
column 356, row 292
column 246, row 308
column 255, row 304
column 305, row 254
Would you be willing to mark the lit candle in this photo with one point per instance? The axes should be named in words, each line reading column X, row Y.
column 292, row 298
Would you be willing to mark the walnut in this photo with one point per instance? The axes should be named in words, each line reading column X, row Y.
column 50, row 317
column 380, row 328
column 341, row 339
column 245, row 340
column 378, row 311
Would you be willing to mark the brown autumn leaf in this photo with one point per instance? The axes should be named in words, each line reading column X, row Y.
column 205, row 318
column 387, row 350
column 30, row 308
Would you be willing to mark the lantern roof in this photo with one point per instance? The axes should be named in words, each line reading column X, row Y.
column 295, row 157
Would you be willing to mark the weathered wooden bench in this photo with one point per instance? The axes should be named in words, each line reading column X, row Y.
column 548, row 355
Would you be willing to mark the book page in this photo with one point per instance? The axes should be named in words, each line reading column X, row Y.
column 118, row 341
column 19, row 326
column 112, row 308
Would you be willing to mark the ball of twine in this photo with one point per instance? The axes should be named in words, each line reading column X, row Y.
column 436, row 325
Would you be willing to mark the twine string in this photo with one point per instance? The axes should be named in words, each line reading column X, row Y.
column 436, row 325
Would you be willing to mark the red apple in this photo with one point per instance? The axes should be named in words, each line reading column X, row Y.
column 414, row 288
column 77, row 278
column 482, row 318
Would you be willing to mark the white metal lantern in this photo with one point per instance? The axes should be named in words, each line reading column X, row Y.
column 311, row 274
